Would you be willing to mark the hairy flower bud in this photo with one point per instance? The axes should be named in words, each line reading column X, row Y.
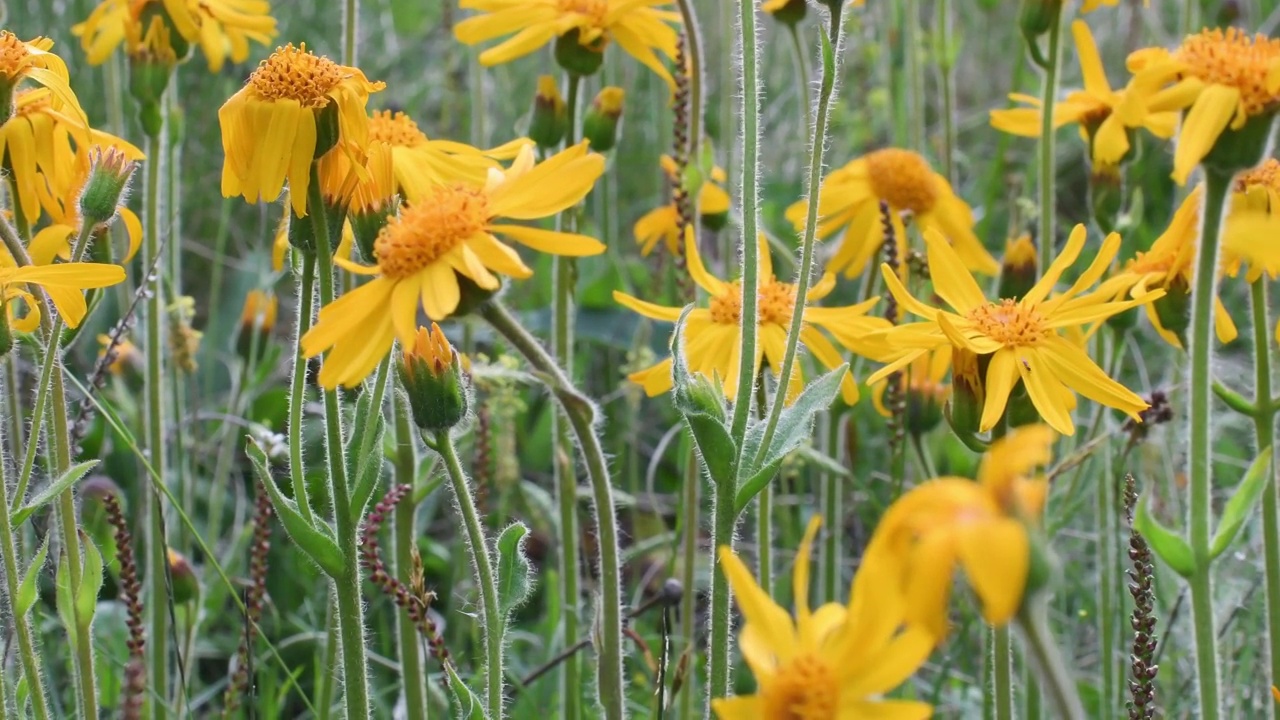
column 603, row 119
column 432, row 376
column 1018, row 269
column 550, row 117
column 108, row 185
column 186, row 586
column 257, row 321
column 968, row 393
column 579, row 58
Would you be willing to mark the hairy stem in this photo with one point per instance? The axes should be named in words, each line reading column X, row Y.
column 412, row 676
column 1048, row 98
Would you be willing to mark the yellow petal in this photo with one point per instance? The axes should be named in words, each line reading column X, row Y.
column 1204, row 124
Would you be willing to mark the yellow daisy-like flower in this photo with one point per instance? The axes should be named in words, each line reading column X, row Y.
column 1252, row 234
column 980, row 526
column 451, row 232
column 663, row 223
column 713, row 335
column 40, row 143
column 1104, row 115
column 640, row 27
column 850, row 200
column 834, row 662
column 1225, row 79
column 295, row 107
column 1169, row 265
column 32, row 61
column 1021, row 337
column 64, row 283
column 222, row 28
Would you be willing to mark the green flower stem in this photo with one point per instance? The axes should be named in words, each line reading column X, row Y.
column 1045, row 657
column 179, row 465
column 832, row 512
column 764, row 512
column 914, row 73
column 947, row 84
column 1217, row 189
column 355, row 671
column 565, row 477
column 582, row 415
column 27, row 652
column 13, row 399
column 412, row 676
column 157, row 594
column 691, row 529
column 1048, row 98
column 298, row 388
column 1265, row 431
column 350, row 27
column 801, row 59
column 804, row 272
column 1002, row 675
column 482, row 563
column 750, row 110
column 1109, row 566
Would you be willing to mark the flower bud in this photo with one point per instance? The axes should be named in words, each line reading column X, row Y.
column 787, row 12
column 1037, row 16
column 186, row 586
column 550, row 114
column 1018, row 268
column 108, row 185
column 578, row 58
column 1106, row 196
column 700, row 394
column 925, row 399
column 126, row 360
column 153, row 53
column 366, row 226
column 1243, row 148
column 1174, row 310
column 600, row 126
column 257, row 321
column 432, row 376
column 968, row 393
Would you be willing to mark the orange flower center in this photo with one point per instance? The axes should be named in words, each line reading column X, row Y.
column 595, row 10
column 1266, row 175
column 903, row 179
column 395, row 129
column 777, row 302
column 32, row 102
column 1009, row 323
column 427, row 230
column 14, row 58
column 726, row 308
column 1235, row 59
column 804, row 689
column 296, row 74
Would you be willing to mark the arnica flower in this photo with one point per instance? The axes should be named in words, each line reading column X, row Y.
column 126, row 358
column 663, row 223
column 1105, row 116
column 981, row 526
column 54, row 239
column 638, row 26
column 1021, row 338
column 713, row 335
column 222, row 28
column 450, row 232
column 924, row 384
column 1169, row 265
column 295, row 107
column 834, row 662
column 850, row 200
column 32, row 61
column 64, row 283
column 39, row 146
column 1225, row 79
column 1252, row 233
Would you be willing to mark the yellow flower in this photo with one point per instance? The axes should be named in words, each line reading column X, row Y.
column 451, row 232
column 64, row 283
column 295, row 107
column 1225, row 79
column 222, row 28
column 1252, row 234
column 260, row 312
column 850, row 200
column 37, row 146
column 981, row 526
column 420, row 164
column 1022, row 338
column 663, row 223
column 1104, row 115
column 638, row 26
column 834, row 662
column 32, row 61
column 713, row 335
column 1091, row 5
column 125, row 356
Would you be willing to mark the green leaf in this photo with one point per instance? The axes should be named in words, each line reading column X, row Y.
column 1242, row 503
column 828, row 57
column 793, row 430
column 318, row 546
column 1172, row 549
column 515, row 577
column 27, row 590
column 365, row 454
column 702, row 404
column 51, row 491
column 469, row 705
column 90, row 580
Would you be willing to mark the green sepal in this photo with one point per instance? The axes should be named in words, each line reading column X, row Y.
column 27, row 590
column 318, row 545
column 579, row 59
column 515, row 576
column 706, row 423
column 91, row 578
column 51, row 491
column 1242, row 503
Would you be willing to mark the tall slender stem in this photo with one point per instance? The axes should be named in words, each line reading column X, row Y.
column 1047, row 169
column 804, row 272
column 482, row 563
column 691, row 528
column 1265, row 431
column 764, row 513
column 750, row 111
column 1108, row 568
column 1199, row 508
column 157, row 546
column 565, row 477
column 1002, row 672
column 947, row 83
column 914, row 73
column 355, row 671
column 581, row 414
column 801, row 59
column 350, row 28
column 832, row 511
column 298, row 387
column 27, row 652
column 406, row 464
column 1047, row 660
